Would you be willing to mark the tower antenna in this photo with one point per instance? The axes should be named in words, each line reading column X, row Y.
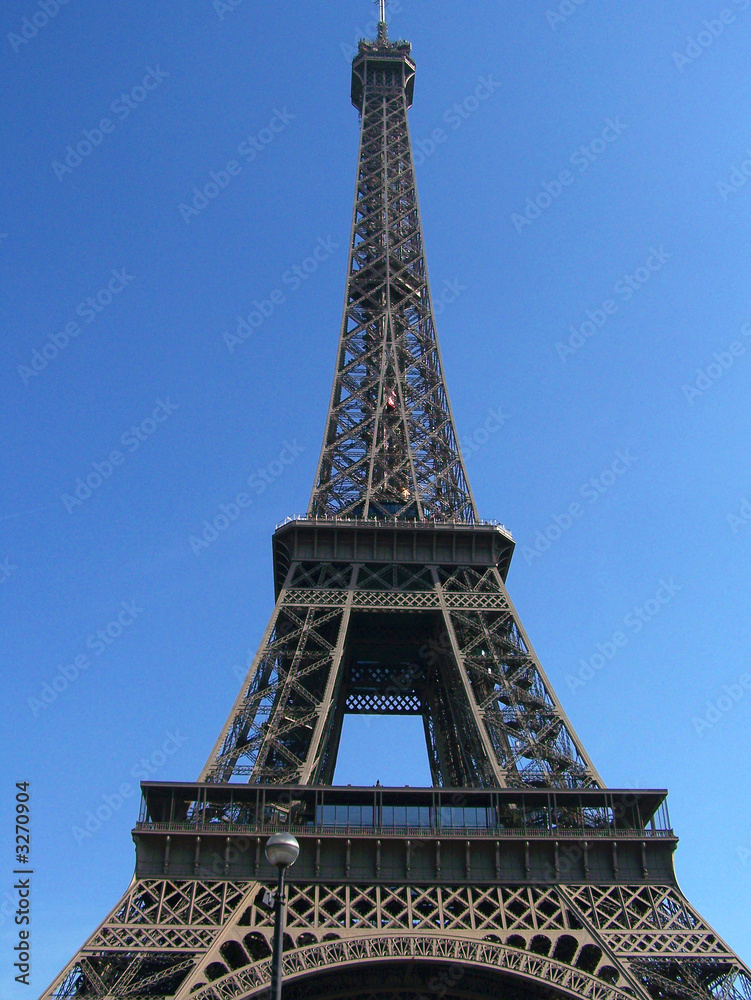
column 383, row 34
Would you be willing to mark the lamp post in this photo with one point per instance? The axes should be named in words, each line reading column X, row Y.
column 281, row 850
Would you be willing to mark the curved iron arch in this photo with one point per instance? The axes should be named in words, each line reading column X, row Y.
column 537, row 972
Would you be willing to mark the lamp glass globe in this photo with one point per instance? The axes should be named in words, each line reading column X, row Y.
column 282, row 850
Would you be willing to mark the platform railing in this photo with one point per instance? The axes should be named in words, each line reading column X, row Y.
column 413, row 832
column 369, row 522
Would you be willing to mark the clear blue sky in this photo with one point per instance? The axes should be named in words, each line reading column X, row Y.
column 629, row 164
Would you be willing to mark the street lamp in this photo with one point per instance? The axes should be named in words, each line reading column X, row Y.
column 282, row 850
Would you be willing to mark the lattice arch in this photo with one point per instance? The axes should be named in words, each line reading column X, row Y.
column 368, row 951
column 210, row 940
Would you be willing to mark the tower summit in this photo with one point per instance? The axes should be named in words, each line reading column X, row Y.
column 517, row 872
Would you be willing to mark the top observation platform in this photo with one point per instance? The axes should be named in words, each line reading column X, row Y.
column 383, row 64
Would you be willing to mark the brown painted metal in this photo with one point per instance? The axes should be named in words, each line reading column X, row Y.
column 390, row 447
column 518, row 873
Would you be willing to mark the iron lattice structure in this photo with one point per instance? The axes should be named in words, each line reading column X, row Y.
column 355, row 631
column 390, row 447
column 518, row 870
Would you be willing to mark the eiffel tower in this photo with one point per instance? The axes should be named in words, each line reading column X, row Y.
column 518, row 872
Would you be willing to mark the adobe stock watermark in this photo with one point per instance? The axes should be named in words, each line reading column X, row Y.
column 122, row 107
column 738, row 178
column 241, row 672
column 88, row 310
column 143, row 770
column 480, row 436
column 742, row 519
column 722, row 362
column 624, row 290
column 711, row 30
column 248, row 150
column 717, row 709
column 743, row 852
column 449, row 293
column 455, row 116
column 98, row 642
column 633, row 622
column 563, row 12
column 224, row 7
column 582, row 158
column 7, row 569
column 35, row 22
column 258, row 482
column 292, row 279
column 443, row 981
column 591, row 491
column 369, row 30
column 130, row 440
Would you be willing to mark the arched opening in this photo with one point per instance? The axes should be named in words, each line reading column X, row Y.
column 411, row 980
column 565, row 948
column 609, row 974
column 588, row 958
column 256, row 946
column 234, row 955
column 540, row 944
column 215, row 971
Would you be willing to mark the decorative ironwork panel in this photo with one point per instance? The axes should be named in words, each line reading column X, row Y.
column 211, row 939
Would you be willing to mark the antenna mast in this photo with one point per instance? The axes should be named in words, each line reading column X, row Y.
column 382, row 26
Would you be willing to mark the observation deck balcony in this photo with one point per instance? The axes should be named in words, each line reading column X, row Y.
column 446, row 834
column 390, row 540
